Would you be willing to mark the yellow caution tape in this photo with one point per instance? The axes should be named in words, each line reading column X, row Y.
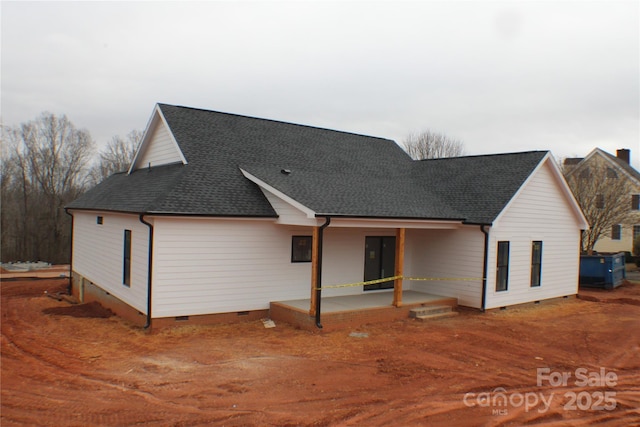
column 368, row 282
column 388, row 279
column 455, row 279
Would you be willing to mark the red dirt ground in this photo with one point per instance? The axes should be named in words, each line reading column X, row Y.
column 76, row 365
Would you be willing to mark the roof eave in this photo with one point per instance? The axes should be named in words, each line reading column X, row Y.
column 377, row 217
column 161, row 213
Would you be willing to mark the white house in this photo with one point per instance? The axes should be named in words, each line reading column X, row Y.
column 219, row 215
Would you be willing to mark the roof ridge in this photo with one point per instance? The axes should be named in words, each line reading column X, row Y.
column 624, row 165
column 487, row 155
column 275, row 121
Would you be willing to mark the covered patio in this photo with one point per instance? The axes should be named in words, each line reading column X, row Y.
column 354, row 310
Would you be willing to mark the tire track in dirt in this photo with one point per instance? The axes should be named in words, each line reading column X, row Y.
column 51, row 364
column 80, row 382
column 62, row 370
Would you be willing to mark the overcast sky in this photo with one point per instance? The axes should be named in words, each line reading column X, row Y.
column 500, row 76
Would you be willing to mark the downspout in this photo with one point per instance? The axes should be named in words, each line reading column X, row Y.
column 319, row 271
column 149, row 270
column 70, row 286
column 484, row 266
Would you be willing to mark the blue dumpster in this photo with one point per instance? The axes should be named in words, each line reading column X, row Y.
column 602, row 271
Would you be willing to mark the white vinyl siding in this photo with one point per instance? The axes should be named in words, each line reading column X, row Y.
column 204, row 265
column 160, row 150
column 540, row 212
column 98, row 251
column 446, row 254
column 222, row 265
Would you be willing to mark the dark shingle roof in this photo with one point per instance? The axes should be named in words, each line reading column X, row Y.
column 332, row 172
column 138, row 192
column 572, row 161
column 351, row 193
column 479, row 187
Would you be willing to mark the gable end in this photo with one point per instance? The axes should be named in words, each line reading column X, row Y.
column 159, row 146
column 563, row 188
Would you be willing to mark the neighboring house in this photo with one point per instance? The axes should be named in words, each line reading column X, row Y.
column 221, row 214
column 620, row 237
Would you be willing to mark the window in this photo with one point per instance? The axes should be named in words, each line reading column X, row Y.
column 126, row 262
column 636, row 231
column 99, row 220
column 301, row 248
column 502, row 276
column 616, row 232
column 536, row 262
column 635, row 202
column 611, row 173
column 585, row 173
column 599, row 201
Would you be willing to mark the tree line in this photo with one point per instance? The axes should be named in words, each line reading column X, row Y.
column 46, row 163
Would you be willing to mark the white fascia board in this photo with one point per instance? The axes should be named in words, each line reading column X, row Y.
column 394, row 223
column 564, row 188
column 156, row 116
column 173, row 138
column 307, row 211
column 517, row 193
column 145, row 139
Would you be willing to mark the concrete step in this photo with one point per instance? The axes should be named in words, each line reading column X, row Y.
column 429, row 310
column 436, row 316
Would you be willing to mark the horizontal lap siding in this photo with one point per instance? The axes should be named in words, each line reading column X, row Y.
column 98, row 254
column 606, row 244
column 539, row 212
column 447, row 254
column 161, row 149
column 204, row 266
column 343, row 258
column 625, row 244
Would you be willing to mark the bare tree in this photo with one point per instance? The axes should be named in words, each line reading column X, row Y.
column 57, row 153
column 49, row 155
column 12, row 218
column 605, row 199
column 432, row 145
column 115, row 157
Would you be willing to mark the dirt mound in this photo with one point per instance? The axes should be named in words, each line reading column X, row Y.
column 627, row 293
